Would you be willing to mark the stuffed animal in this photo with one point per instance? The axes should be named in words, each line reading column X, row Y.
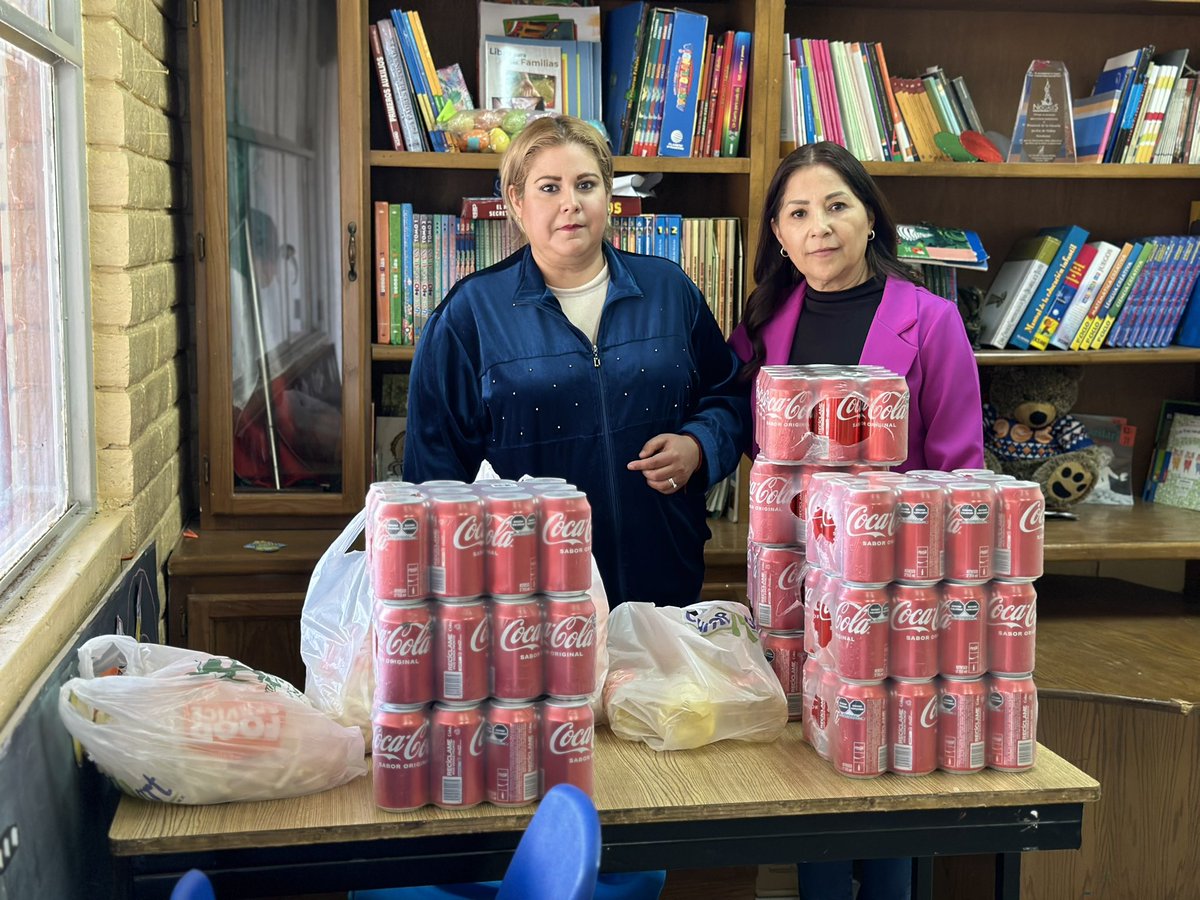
column 1030, row 433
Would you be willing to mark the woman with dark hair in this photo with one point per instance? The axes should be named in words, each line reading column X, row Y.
column 831, row 289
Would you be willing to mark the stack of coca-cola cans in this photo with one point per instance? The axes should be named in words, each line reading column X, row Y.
column 484, row 641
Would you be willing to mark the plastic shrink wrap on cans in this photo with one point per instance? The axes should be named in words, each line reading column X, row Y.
column 182, row 726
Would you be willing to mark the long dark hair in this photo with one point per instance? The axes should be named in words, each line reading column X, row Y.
column 774, row 275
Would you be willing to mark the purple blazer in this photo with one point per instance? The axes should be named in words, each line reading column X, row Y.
column 920, row 336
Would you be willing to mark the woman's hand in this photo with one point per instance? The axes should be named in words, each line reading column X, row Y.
column 667, row 461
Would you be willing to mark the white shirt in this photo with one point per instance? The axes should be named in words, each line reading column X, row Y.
column 582, row 305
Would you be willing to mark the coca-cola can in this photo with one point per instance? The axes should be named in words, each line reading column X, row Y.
column 777, row 587
column 818, row 617
column 457, row 566
column 543, row 483
column 819, row 527
column 496, row 486
column 457, row 745
column 838, row 420
column 881, row 477
column 569, row 639
column 886, row 420
column 568, row 741
column 511, row 752
column 517, row 656
column 817, row 686
column 867, row 538
column 785, row 652
column 860, row 632
column 1020, row 530
column 783, row 403
column 403, row 653
column 935, row 475
column 962, row 622
column 400, row 756
column 776, row 502
column 961, row 742
column 913, row 725
column 510, row 544
column 971, row 473
column 860, row 743
column 565, row 547
column 1011, row 627
column 1012, row 713
column 399, row 541
column 970, row 531
column 913, row 636
column 460, row 655
column 920, row 532
column 427, row 486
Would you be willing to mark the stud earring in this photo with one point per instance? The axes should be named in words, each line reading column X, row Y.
column 783, row 253
column 871, row 235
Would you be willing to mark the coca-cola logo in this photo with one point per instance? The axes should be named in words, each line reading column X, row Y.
column 480, row 636
column 476, row 746
column 517, row 635
column 567, row 739
column 851, row 708
column 856, row 618
column 1033, row 517
column 850, row 408
column 502, row 529
column 561, row 529
column 785, row 407
column 790, row 577
column 469, row 533
column 573, row 632
column 822, row 525
column 1001, row 613
column 409, row 746
column 862, row 522
column 889, row 406
column 967, row 610
column 907, row 616
column 995, row 700
column 408, row 640
column 929, row 715
column 770, row 491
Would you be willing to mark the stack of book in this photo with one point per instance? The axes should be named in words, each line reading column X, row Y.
column 411, row 88
column 938, row 253
column 1057, row 290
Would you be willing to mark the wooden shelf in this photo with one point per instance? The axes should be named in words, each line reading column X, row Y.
column 1056, row 171
column 1157, row 355
column 1094, row 7
column 484, row 161
column 382, row 352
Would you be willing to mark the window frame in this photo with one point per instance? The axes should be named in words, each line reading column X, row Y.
column 61, row 47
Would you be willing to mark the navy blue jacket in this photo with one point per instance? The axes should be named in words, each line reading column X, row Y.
column 501, row 374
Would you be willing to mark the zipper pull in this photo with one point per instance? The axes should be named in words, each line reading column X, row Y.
column 595, row 357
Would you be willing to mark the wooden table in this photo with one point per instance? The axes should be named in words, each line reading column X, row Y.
column 731, row 803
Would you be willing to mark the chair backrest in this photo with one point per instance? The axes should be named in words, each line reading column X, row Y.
column 194, row 885
column 558, row 857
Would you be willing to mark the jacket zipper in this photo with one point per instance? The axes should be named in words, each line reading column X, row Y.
column 608, row 453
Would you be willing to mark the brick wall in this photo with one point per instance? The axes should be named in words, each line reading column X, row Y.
column 133, row 97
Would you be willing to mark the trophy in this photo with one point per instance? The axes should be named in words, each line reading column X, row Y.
column 1044, row 131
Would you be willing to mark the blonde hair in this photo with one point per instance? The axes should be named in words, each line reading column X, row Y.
column 542, row 134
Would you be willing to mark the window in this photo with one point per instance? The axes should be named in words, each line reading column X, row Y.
column 46, row 457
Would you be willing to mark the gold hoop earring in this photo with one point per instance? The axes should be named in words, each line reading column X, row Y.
column 783, row 253
column 871, row 235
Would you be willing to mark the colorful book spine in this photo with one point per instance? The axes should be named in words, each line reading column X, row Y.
column 1125, row 318
column 1095, row 320
column 731, row 128
column 1063, row 297
column 385, row 89
column 682, row 85
column 383, row 307
column 1072, row 238
column 1102, row 262
column 1122, row 295
column 397, row 238
column 414, row 136
column 408, row 296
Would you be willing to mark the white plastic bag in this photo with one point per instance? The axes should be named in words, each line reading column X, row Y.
column 335, row 632
column 684, row 677
column 182, row 726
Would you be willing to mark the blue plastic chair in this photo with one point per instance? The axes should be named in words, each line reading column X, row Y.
column 194, row 885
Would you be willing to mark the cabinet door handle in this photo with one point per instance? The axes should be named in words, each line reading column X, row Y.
column 352, row 251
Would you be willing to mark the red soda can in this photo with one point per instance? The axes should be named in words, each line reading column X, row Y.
column 860, row 632
column 1012, row 713
column 511, row 753
column 935, row 475
column 913, row 725
column 570, row 643
column 565, row 548
column 818, row 619
column 776, row 497
column 970, row 531
column 496, row 486
column 838, row 420
column 778, row 574
column 403, row 653
column 881, row 477
column 783, row 403
column 962, row 621
column 886, row 419
column 542, row 483
column 971, row 473
column 785, row 652
column 1011, row 627
column 399, row 541
column 961, row 725
column 400, row 756
column 867, row 540
column 1020, row 530
column 568, row 740
column 460, row 655
column 456, row 738
column 517, row 656
column 457, row 566
column 920, row 532
column 510, row 544
column 860, row 744
column 913, row 636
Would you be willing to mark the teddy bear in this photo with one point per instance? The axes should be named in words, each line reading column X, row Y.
column 1028, row 432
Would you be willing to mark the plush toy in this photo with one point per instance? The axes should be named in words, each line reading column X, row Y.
column 1029, row 432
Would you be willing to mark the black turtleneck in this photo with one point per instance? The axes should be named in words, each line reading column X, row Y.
column 833, row 325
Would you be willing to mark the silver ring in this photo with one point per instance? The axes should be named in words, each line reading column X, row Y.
column 674, row 486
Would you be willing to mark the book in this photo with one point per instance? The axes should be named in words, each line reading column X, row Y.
column 1112, row 308
column 938, row 246
column 1115, row 437
column 522, row 74
column 1072, row 238
column 491, row 24
column 682, row 85
column 383, row 308
column 624, row 35
column 1019, row 276
column 1124, row 312
column 1131, row 104
column 385, row 89
column 1047, row 326
column 1117, row 75
column 454, row 87
column 739, row 73
column 1093, row 279
column 1090, row 328
column 1093, row 119
column 410, row 126
column 1174, row 478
